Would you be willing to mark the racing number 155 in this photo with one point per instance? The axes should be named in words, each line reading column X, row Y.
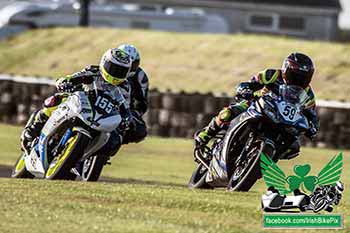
column 104, row 104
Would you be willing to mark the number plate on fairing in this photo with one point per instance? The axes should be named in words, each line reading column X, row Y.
column 289, row 112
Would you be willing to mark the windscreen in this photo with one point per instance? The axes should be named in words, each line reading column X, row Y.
column 292, row 94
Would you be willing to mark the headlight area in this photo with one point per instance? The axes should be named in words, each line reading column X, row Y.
column 268, row 109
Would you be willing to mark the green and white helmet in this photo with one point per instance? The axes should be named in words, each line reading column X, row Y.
column 115, row 66
column 135, row 56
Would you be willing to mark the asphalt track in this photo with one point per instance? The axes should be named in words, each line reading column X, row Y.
column 5, row 172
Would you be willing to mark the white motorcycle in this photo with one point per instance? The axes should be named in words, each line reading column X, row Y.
column 73, row 134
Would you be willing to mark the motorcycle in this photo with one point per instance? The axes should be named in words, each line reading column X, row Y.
column 73, row 134
column 270, row 125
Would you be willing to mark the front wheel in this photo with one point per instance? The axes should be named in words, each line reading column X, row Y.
column 92, row 167
column 197, row 180
column 60, row 167
column 247, row 172
column 19, row 170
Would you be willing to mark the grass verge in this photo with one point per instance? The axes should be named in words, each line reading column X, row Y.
column 148, row 194
column 177, row 61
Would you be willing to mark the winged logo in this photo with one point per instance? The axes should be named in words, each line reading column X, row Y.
column 274, row 176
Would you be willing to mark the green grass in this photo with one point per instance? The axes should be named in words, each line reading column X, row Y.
column 177, row 61
column 143, row 162
column 148, row 195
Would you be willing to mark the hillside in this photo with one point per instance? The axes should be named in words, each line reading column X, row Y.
column 191, row 62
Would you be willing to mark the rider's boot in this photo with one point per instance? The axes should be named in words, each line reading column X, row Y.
column 32, row 129
column 223, row 118
column 38, row 119
column 202, row 137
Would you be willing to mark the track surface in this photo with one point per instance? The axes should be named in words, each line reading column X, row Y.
column 5, row 172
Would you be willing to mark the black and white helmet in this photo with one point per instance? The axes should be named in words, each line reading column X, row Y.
column 132, row 51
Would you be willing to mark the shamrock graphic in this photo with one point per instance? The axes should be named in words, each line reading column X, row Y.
column 274, row 176
column 301, row 178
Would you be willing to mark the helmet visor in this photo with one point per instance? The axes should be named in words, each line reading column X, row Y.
column 298, row 78
column 115, row 70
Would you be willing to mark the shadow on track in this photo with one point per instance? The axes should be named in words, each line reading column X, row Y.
column 138, row 181
column 5, row 172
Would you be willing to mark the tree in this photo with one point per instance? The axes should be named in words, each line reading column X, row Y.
column 84, row 13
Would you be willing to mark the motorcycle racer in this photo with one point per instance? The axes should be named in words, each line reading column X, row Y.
column 110, row 76
column 138, row 81
column 297, row 69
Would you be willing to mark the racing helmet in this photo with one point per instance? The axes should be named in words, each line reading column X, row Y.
column 115, row 66
column 132, row 51
column 298, row 69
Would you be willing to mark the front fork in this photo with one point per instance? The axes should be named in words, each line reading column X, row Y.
column 243, row 155
column 62, row 142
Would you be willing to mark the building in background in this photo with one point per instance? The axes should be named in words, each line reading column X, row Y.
column 22, row 15
column 344, row 17
column 309, row 19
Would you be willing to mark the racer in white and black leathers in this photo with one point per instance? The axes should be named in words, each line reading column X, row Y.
column 139, row 95
column 118, row 87
column 138, row 106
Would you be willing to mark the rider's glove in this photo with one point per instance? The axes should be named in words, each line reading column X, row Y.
column 129, row 121
column 311, row 133
column 65, row 86
column 244, row 92
column 132, row 123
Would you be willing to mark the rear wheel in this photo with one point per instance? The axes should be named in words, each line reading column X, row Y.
column 60, row 167
column 92, row 167
column 197, row 180
column 19, row 170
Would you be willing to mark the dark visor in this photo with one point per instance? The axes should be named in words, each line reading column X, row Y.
column 301, row 79
column 117, row 71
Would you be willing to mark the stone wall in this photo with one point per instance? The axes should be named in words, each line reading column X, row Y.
column 170, row 114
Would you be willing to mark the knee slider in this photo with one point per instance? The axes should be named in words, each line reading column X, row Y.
column 225, row 115
column 52, row 101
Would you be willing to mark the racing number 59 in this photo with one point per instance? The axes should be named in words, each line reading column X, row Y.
column 289, row 112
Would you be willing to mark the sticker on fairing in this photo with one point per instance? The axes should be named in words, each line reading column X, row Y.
column 288, row 111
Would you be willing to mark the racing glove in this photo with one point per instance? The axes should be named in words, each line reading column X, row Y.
column 314, row 123
column 128, row 118
column 63, row 85
column 311, row 133
column 130, row 122
column 243, row 91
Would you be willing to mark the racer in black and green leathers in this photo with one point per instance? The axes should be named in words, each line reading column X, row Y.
column 297, row 69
